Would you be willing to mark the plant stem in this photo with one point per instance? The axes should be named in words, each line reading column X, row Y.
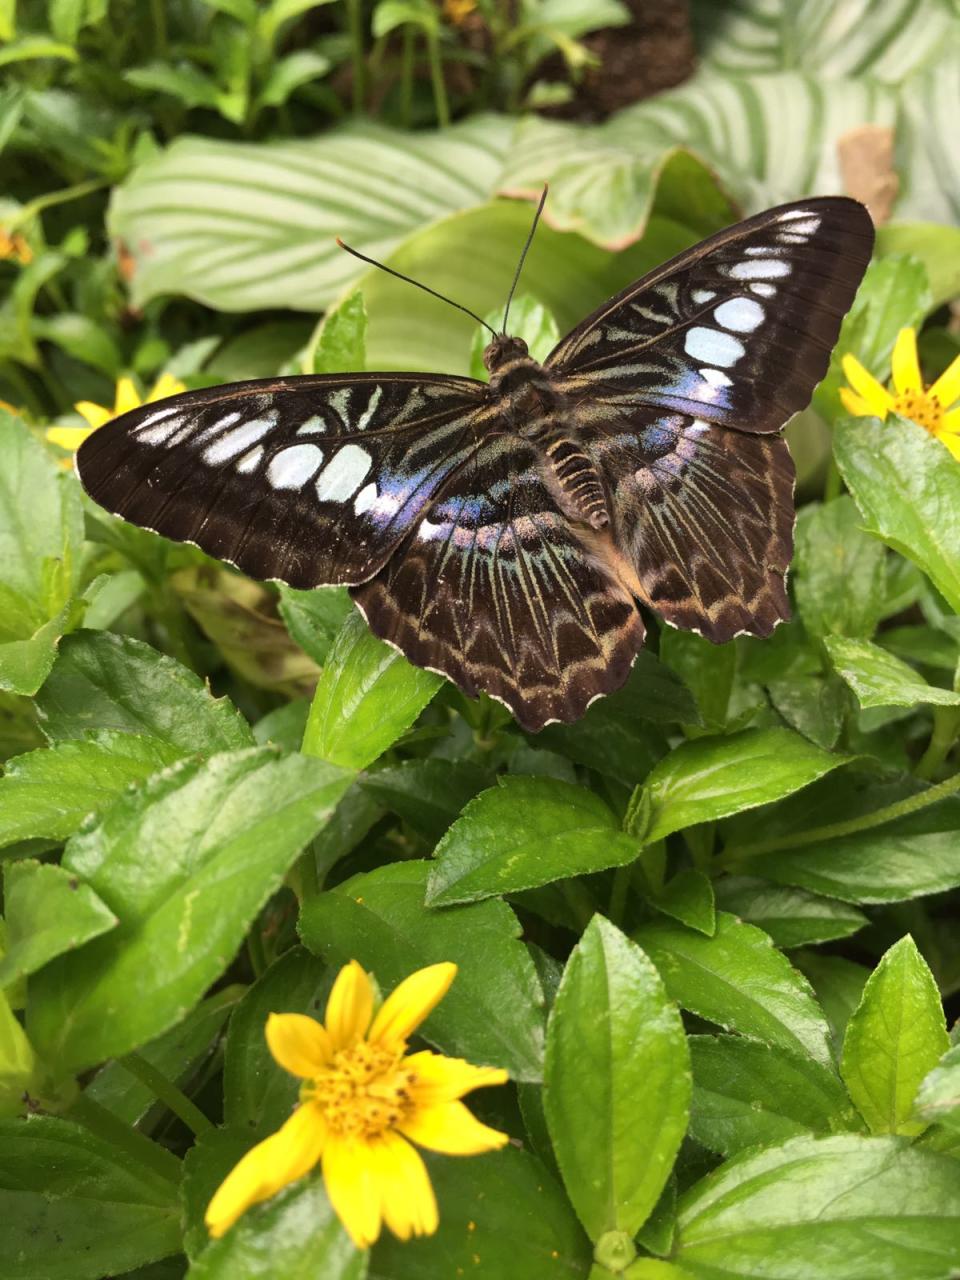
column 436, row 78
column 107, row 1126
column 355, row 24
column 834, row 830
column 51, row 198
column 619, row 892
column 158, row 13
column 946, row 727
column 167, row 1092
column 833, row 485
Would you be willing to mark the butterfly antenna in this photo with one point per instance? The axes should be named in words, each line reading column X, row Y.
column 426, row 288
column 516, row 278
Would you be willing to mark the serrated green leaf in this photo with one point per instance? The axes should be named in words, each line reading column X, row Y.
column 938, row 1097
column 185, row 863
column 492, row 1014
column 689, row 898
column 840, row 580
column 341, row 345
column 613, row 1039
column 314, row 618
column 881, row 680
column 738, row 980
column 895, row 1036
column 792, row 917
column 368, row 695
column 47, row 912
column 428, row 794
column 523, row 833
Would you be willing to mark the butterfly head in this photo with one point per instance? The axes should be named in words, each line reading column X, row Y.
column 503, row 351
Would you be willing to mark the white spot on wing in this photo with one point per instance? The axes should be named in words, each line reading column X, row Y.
column 760, row 269
column 712, row 346
column 763, row 290
column 742, row 315
column 429, row 531
column 716, row 378
column 343, row 474
column 157, row 416
column 312, row 427
column 364, row 419
column 801, row 221
column 703, row 295
column 237, row 440
column 365, row 498
column 291, row 468
column 250, row 461
column 160, row 433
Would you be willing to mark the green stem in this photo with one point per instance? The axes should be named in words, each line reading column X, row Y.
column 833, row 485
column 579, row 901
column 355, row 25
column 158, row 13
column 255, row 950
column 440, row 100
column 619, row 892
column 50, row 199
column 167, row 1092
column 946, row 727
column 107, row 1126
column 834, row 830
column 406, row 77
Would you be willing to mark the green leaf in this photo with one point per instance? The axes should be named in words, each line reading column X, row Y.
column 492, row 1014
column 936, row 246
column 529, row 320
column 714, row 777
column 41, row 532
column 30, row 47
column 747, row 1094
column 881, row 680
column 876, row 1208
column 19, row 1068
column 907, row 487
column 613, row 1039
column 289, row 73
column 840, row 580
column 689, row 898
column 295, row 1235
column 47, row 912
column 738, row 980
column 390, row 14
column 896, row 1036
column 83, row 338
column 812, row 705
column 185, row 863
column 341, row 345
column 71, row 1210
column 185, row 82
column 505, row 1209
column 938, row 1098
column 368, row 695
column 288, row 200
column 792, row 917
column 106, row 681
column 314, row 618
column 428, row 794
column 523, row 833
column 706, row 669
column 258, row 1095
column 50, row 791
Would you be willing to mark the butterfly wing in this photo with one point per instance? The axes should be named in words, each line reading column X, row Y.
column 309, row 480
column 496, row 590
column 677, row 387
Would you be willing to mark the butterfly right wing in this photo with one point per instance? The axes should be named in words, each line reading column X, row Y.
column 308, row 480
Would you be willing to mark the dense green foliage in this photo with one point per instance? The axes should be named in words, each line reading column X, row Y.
column 709, row 930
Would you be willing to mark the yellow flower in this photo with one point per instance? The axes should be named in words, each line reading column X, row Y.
column 457, row 11
column 16, row 247
column 127, row 398
column 363, row 1096
column 934, row 408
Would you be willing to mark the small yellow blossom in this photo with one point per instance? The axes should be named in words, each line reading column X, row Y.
column 457, row 11
column 363, row 1096
column 14, row 245
column 934, row 408
column 127, row 398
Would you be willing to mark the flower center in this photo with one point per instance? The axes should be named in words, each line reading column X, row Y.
column 363, row 1092
column 923, row 408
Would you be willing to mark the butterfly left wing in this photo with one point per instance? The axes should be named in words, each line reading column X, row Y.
column 496, row 590
column 309, row 480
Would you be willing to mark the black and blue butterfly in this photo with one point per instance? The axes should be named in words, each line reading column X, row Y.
column 505, row 534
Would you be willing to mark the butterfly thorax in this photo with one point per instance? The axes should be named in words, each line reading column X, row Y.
column 530, row 402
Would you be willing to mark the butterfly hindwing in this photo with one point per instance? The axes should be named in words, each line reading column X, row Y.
column 311, row 480
column 737, row 330
column 497, row 591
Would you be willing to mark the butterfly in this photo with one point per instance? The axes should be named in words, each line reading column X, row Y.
column 504, row 534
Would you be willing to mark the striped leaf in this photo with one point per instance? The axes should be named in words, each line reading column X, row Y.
column 241, row 226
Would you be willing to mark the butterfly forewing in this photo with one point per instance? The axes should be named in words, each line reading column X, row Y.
column 310, row 480
column 737, row 330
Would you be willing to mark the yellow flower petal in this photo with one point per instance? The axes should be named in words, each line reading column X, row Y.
column 877, row 396
column 165, row 385
column 951, row 421
column 451, row 1129
column 300, row 1044
column 128, row 397
column 282, row 1158
column 441, row 1079
column 350, row 1007
column 407, row 1005
column 904, row 363
column 95, row 414
column 947, row 386
column 951, row 437
column 348, row 1177
column 406, row 1196
column 68, row 437
column 855, row 404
